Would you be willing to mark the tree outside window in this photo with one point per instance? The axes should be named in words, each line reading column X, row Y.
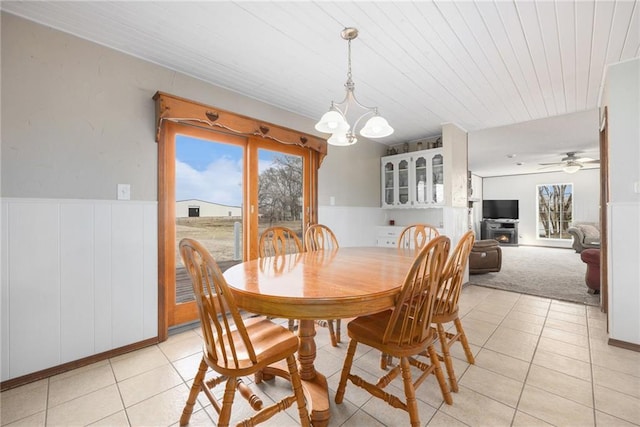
column 555, row 210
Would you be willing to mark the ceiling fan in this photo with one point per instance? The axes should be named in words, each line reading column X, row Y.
column 571, row 163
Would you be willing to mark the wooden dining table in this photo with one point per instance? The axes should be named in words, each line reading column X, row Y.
column 308, row 286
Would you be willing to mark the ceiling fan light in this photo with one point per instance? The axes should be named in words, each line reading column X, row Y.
column 572, row 167
column 376, row 127
column 341, row 139
column 332, row 122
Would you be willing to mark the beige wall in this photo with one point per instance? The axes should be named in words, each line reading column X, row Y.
column 78, row 119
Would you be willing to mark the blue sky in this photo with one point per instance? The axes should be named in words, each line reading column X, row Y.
column 212, row 171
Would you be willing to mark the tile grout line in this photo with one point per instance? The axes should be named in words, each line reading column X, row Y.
column 524, row 382
column 593, row 383
column 526, row 377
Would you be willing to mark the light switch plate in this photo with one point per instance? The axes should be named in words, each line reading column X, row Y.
column 124, row 192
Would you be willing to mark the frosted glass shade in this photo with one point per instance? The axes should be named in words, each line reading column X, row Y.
column 332, row 122
column 572, row 167
column 376, row 127
column 341, row 140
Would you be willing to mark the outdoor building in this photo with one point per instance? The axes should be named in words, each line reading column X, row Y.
column 200, row 208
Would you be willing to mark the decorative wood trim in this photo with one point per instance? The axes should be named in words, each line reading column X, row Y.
column 55, row 370
column 180, row 110
column 624, row 344
column 604, row 201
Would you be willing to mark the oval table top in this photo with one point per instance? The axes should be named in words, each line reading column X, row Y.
column 345, row 282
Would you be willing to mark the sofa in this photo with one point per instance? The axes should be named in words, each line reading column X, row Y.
column 585, row 235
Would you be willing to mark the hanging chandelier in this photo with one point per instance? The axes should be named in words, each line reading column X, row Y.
column 335, row 122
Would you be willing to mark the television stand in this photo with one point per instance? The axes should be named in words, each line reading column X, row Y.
column 505, row 231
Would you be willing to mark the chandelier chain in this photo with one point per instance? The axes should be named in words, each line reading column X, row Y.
column 349, row 84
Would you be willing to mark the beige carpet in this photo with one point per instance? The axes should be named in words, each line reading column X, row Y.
column 547, row 272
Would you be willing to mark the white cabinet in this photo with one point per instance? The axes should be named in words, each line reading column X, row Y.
column 413, row 180
column 387, row 236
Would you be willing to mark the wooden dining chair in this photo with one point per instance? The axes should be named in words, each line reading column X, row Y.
column 403, row 332
column 320, row 237
column 275, row 241
column 446, row 305
column 416, row 236
column 234, row 348
column 412, row 237
column 278, row 241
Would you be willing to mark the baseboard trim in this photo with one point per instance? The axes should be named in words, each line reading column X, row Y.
column 624, row 344
column 55, row 370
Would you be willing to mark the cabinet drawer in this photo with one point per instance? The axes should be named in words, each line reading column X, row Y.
column 387, row 235
column 386, row 242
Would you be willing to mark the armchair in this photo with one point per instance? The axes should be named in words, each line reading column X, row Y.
column 591, row 257
column 585, row 235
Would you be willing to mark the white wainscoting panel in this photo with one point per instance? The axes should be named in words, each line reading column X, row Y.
column 4, row 291
column 34, row 286
column 352, row 225
column 76, row 274
column 624, row 271
column 102, row 303
column 79, row 277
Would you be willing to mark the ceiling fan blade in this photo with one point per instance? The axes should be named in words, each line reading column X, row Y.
column 591, row 161
column 584, row 159
column 552, row 164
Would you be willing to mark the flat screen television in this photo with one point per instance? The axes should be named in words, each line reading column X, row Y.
column 500, row 209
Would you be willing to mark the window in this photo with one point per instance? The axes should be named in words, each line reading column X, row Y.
column 554, row 210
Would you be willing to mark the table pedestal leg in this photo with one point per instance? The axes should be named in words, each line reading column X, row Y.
column 314, row 382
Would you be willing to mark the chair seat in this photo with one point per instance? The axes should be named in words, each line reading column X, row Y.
column 270, row 341
column 445, row 317
column 369, row 330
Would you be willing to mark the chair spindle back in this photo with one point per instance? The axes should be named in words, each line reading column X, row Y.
column 320, row 237
column 278, row 241
column 409, row 324
column 214, row 301
column 452, row 276
column 416, row 236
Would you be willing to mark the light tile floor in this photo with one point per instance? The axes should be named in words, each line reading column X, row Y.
column 539, row 362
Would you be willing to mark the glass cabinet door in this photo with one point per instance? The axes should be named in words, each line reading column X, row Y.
column 420, row 180
column 388, row 183
column 437, row 184
column 403, row 182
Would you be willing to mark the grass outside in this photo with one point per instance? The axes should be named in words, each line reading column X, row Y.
column 217, row 234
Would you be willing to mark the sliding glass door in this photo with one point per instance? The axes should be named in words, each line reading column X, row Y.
column 223, row 190
column 209, row 201
column 280, row 191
